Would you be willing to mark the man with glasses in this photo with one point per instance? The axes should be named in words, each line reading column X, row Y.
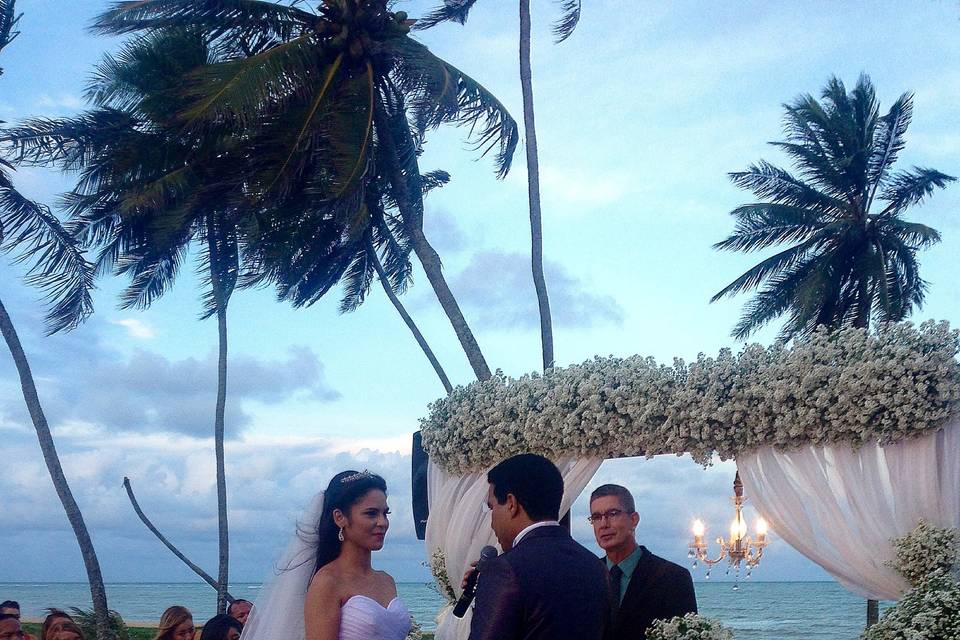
column 10, row 627
column 645, row 586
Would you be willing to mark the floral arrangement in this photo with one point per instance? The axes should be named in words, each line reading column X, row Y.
column 847, row 386
column 688, row 627
column 930, row 610
column 438, row 567
column 926, row 550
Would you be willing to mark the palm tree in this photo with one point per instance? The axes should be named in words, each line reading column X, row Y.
column 59, row 269
column 333, row 100
column 149, row 189
column 458, row 11
column 852, row 257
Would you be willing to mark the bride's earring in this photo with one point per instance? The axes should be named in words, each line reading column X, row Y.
column 340, row 535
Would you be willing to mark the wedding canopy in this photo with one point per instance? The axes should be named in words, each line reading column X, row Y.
column 844, row 441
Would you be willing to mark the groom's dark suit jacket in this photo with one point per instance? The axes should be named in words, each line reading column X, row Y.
column 548, row 587
column 658, row 590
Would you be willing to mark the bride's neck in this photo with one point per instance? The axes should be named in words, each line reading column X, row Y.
column 355, row 557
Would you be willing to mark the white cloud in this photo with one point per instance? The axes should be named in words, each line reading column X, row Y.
column 136, row 328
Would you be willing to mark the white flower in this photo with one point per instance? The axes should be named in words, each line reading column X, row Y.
column 847, row 386
column 688, row 627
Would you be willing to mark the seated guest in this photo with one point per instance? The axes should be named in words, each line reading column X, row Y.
column 645, row 587
column 67, row 630
column 12, row 608
column 10, row 627
column 176, row 623
column 55, row 617
column 221, row 627
column 240, row 609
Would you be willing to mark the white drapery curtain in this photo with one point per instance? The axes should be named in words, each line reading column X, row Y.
column 459, row 526
column 840, row 506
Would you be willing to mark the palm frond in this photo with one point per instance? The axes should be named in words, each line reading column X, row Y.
column 570, row 17
column 450, row 11
column 771, row 182
column 772, row 266
column 914, row 234
column 889, row 140
column 241, row 89
column 762, row 225
column 213, row 17
column 8, row 23
column 439, row 93
column 907, row 188
column 58, row 269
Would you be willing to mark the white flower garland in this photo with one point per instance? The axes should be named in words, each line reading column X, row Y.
column 848, row 386
column 688, row 627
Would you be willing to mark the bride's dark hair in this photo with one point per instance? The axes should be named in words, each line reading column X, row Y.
column 345, row 490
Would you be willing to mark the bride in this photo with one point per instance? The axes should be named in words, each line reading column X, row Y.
column 325, row 587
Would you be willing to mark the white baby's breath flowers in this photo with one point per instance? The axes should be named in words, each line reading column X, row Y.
column 688, row 627
column 848, row 386
column 438, row 567
column 926, row 550
column 930, row 609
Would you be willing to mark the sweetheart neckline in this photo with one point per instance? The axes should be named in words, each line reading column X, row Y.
column 373, row 600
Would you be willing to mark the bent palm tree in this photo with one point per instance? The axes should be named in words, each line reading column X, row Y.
column 852, row 256
column 458, row 11
column 329, row 96
column 65, row 277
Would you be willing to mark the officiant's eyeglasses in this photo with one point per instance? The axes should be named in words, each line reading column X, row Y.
column 609, row 514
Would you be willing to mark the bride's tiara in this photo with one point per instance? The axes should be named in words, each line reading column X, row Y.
column 356, row 476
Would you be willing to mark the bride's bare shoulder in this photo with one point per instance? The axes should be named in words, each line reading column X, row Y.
column 325, row 584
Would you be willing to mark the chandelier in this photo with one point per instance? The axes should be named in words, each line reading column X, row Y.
column 739, row 549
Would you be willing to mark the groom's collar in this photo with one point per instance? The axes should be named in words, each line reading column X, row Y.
column 535, row 525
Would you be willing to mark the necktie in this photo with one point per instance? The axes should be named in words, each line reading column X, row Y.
column 616, row 573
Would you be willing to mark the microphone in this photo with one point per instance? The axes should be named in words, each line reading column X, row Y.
column 469, row 591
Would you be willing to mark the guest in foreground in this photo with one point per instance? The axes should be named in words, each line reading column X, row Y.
column 55, row 618
column 221, row 627
column 12, row 608
column 67, row 630
column 645, row 586
column 545, row 586
column 176, row 623
column 10, row 627
column 240, row 609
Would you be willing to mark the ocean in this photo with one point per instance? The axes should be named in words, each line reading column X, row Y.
column 755, row 611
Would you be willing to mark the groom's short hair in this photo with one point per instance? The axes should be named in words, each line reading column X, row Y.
column 533, row 480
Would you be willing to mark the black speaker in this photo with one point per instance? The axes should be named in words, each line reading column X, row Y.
column 418, row 478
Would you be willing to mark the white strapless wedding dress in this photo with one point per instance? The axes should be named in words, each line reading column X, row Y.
column 363, row 618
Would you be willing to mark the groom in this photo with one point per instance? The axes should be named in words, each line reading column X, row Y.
column 545, row 586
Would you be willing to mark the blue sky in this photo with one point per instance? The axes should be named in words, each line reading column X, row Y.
column 640, row 115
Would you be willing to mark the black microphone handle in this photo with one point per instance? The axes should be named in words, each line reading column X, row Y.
column 466, row 597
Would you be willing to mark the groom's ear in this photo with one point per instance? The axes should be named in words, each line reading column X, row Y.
column 512, row 505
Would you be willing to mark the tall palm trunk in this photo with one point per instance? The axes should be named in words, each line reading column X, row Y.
column 221, row 298
column 533, row 188
column 97, row 592
column 427, row 351
column 427, row 255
